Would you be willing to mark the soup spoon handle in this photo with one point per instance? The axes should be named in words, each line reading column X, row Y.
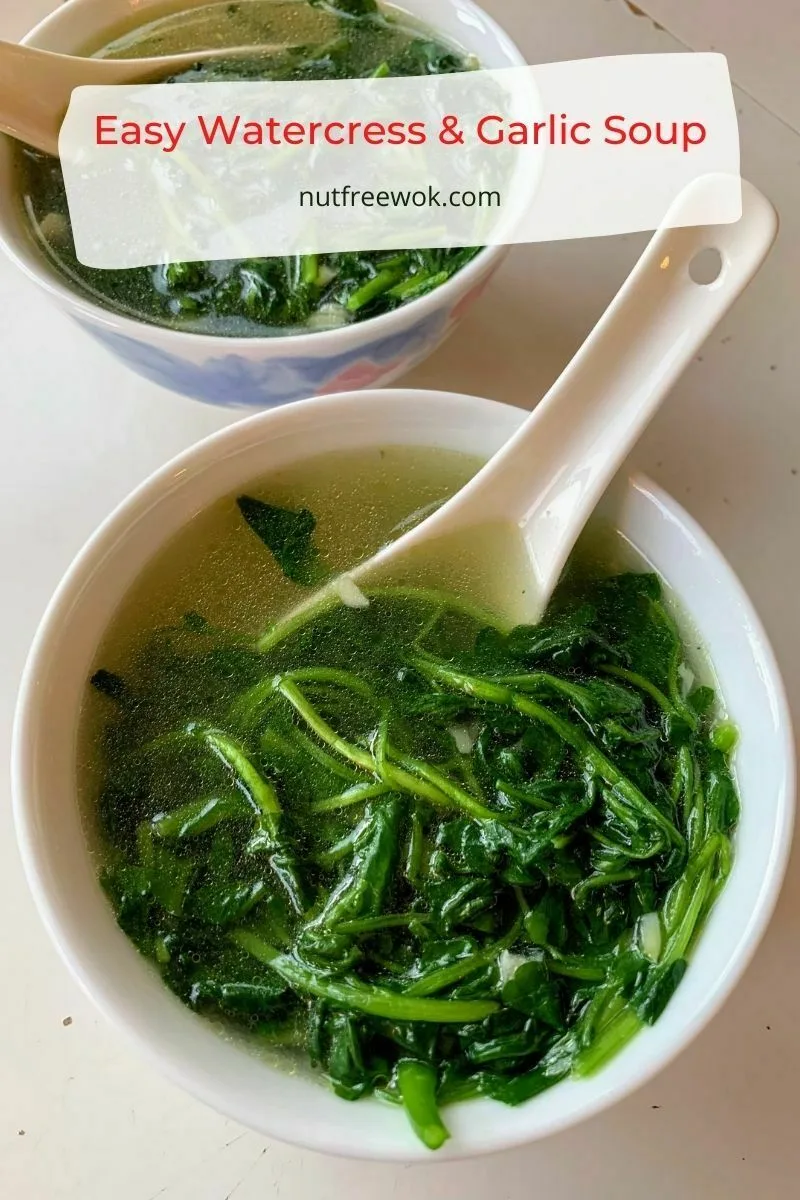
column 549, row 477
column 36, row 85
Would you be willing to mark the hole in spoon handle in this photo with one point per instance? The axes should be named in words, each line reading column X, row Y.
column 706, row 267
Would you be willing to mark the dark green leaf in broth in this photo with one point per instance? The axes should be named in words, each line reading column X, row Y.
column 340, row 1055
column 221, row 903
column 363, row 888
column 109, row 684
column 532, row 991
column 656, row 989
column 349, row 8
column 288, row 535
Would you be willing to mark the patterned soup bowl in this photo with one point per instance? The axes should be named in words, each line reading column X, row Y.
column 268, row 371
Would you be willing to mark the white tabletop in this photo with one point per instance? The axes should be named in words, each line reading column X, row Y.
column 80, row 1117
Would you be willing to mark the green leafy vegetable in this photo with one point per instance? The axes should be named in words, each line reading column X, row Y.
column 304, row 843
column 109, row 684
column 288, row 535
column 351, row 8
column 530, row 990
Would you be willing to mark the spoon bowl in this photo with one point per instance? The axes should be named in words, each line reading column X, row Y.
column 36, row 85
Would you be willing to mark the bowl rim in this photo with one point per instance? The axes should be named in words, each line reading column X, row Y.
column 26, row 254
column 198, row 457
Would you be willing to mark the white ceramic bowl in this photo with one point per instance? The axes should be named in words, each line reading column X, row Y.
column 258, row 372
column 128, row 990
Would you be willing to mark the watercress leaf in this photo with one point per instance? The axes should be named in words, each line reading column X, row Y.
column 467, row 848
column 678, row 729
column 416, row 1039
column 288, row 535
column 350, row 8
column 327, row 949
column 656, row 988
column 552, row 1067
column 342, row 1057
column 362, row 889
column 532, row 991
column 169, row 878
column 722, row 800
column 109, row 684
column 443, row 952
column 457, row 901
column 129, row 889
column 506, row 1049
column 701, row 700
column 226, row 903
column 551, row 913
column 195, row 622
column 561, row 638
column 635, row 622
column 490, row 648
